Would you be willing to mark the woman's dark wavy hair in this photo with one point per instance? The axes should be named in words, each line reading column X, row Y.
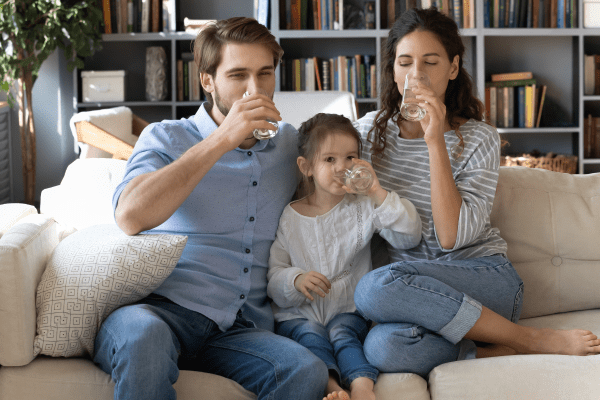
column 460, row 99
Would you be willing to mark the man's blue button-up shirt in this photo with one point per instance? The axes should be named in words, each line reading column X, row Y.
column 230, row 218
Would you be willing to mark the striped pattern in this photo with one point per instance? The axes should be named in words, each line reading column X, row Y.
column 405, row 170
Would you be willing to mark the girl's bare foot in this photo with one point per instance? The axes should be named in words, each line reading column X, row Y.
column 576, row 342
column 362, row 389
column 334, row 391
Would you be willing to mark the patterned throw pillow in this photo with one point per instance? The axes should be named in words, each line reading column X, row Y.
column 90, row 274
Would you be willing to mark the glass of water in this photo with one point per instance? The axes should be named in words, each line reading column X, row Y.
column 359, row 179
column 410, row 108
column 263, row 134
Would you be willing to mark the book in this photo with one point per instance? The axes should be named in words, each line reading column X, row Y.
column 373, row 81
column 587, row 130
column 106, row 16
column 528, row 107
column 588, row 75
column 516, row 82
column 510, row 91
column 487, row 104
column 493, row 106
column 540, row 102
column 145, row 15
column 155, row 7
column 512, row 76
column 130, row 15
column 506, row 108
column 262, row 12
column 326, row 73
column 179, row 80
column 458, row 13
column 168, row 16
column 500, row 108
column 521, row 106
column 124, row 8
column 536, row 13
column 370, row 15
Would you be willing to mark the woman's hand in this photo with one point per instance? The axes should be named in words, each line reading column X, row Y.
column 312, row 282
column 434, row 123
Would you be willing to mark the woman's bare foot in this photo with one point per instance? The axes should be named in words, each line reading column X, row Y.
column 576, row 342
column 334, row 391
column 362, row 389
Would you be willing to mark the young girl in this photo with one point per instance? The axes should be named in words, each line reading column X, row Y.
column 463, row 289
column 322, row 250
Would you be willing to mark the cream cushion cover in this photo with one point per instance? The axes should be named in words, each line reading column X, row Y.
column 540, row 213
column 14, row 212
column 90, row 274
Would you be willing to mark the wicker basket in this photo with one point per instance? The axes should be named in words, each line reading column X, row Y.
column 551, row 162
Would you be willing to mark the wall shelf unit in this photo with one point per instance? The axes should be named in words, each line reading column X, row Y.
column 554, row 55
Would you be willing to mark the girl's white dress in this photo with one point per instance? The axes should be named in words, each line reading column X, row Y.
column 337, row 245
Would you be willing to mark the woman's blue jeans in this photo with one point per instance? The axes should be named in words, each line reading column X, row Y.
column 338, row 344
column 143, row 346
column 425, row 308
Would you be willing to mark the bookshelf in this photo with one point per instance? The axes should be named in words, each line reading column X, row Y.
column 554, row 55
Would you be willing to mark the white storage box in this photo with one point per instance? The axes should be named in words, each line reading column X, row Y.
column 591, row 13
column 103, row 85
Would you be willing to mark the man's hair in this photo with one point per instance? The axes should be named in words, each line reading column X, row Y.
column 208, row 46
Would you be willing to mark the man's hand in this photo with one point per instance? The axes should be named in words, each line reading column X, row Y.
column 312, row 282
column 246, row 115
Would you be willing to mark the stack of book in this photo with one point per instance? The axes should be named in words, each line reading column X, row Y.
column 591, row 137
column 123, row 16
column 514, row 100
column 188, row 79
column 355, row 74
column 530, row 13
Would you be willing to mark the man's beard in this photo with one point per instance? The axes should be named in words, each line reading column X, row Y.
column 220, row 105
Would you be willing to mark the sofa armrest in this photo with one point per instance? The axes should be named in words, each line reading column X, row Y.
column 11, row 213
column 24, row 250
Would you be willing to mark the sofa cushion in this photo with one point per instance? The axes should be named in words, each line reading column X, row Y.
column 84, row 197
column 551, row 222
column 90, row 274
column 24, row 251
column 11, row 213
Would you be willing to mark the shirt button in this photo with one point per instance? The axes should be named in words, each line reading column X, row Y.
column 254, row 183
column 247, row 251
column 242, row 296
column 249, row 153
column 251, row 219
column 246, row 270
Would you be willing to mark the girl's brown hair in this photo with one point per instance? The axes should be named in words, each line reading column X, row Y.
column 312, row 135
column 460, row 99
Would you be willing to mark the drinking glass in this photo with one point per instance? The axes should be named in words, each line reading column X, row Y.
column 410, row 109
column 263, row 134
column 359, row 179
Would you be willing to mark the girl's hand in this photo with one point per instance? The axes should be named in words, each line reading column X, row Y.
column 376, row 192
column 434, row 122
column 312, row 282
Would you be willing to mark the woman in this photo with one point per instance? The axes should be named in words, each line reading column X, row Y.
column 456, row 287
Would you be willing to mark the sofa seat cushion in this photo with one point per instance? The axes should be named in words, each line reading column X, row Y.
column 78, row 378
column 525, row 376
column 551, row 222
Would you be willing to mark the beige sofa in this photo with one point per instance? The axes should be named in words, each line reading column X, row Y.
column 550, row 220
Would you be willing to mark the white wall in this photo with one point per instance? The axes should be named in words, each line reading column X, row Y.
column 52, row 109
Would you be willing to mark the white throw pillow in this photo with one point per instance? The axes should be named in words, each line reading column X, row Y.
column 91, row 273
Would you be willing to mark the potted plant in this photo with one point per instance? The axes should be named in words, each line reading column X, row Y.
column 31, row 30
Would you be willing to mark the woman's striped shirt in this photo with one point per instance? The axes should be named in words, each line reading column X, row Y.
column 405, row 170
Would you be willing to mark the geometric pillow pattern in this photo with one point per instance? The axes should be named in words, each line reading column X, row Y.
column 91, row 273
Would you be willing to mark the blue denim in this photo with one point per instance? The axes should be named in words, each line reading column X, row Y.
column 339, row 344
column 425, row 308
column 143, row 346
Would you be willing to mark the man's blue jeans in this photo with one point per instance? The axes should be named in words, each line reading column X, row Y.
column 339, row 344
column 425, row 308
column 143, row 346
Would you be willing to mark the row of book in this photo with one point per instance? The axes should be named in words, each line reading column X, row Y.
column 462, row 11
column 188, row 79
column 123, row 16
column 530, row 13
column 316, row 14
column 591, row 137
column 514, row 103
column 356, row 74
column 591, row 74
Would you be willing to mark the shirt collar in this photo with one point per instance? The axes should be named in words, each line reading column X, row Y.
column 206, row 125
